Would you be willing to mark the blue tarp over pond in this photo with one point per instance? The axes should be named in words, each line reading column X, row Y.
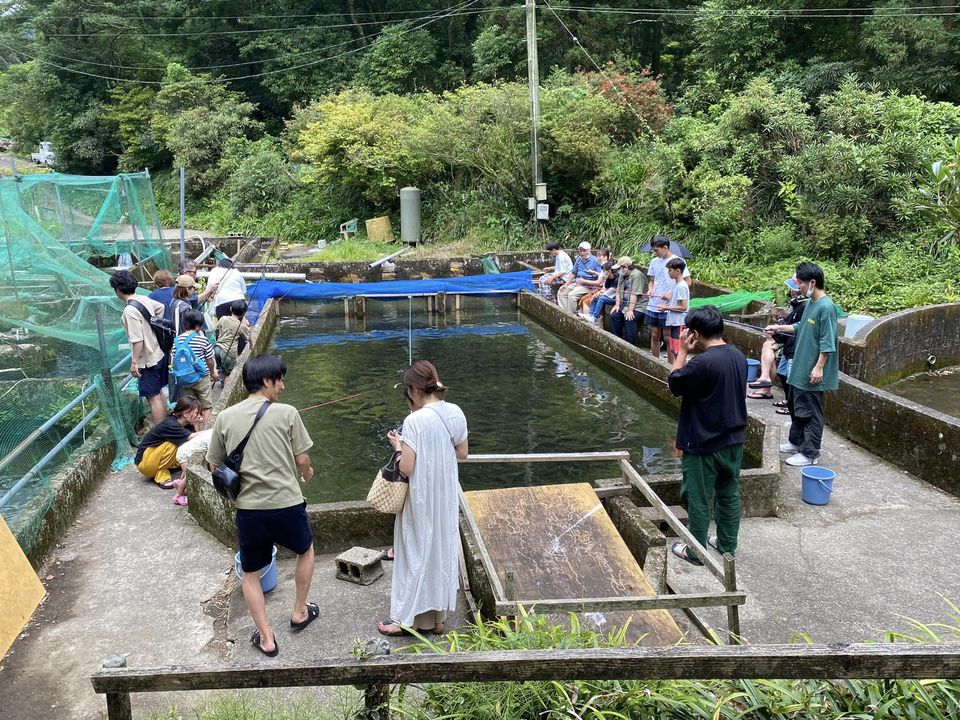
column 501, row 284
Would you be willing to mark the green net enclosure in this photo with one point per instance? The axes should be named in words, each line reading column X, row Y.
column 62, row 236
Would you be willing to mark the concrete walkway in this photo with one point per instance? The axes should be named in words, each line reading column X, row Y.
column 882, row 550
column 136, row 576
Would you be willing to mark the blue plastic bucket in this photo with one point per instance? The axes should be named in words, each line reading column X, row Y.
column 268, row 575
column 817, row 484
column 753, row 369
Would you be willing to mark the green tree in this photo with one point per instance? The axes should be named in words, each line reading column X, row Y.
column 399, row 61
column 194, row 117
column 27, row 94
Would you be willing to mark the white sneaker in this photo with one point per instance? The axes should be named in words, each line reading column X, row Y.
column 789, row 448
column 800, row 460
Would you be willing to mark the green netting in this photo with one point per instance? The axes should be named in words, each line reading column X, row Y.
column 62, row 236
column 732, row 301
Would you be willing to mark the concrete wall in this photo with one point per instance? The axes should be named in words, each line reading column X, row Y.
column 758, row 485
column 69, row 489
column 909, row 435
column 897, row 345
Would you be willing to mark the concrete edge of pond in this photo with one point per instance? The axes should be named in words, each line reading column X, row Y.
column 911, row 436
column 54, row 511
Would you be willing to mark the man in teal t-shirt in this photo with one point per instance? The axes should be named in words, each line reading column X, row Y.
column 815, row 369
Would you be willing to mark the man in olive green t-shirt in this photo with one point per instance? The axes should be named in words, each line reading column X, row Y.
column 270, row 507
column 631, row 300
column 815, row 368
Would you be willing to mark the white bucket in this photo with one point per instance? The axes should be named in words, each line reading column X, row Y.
column 854, row 323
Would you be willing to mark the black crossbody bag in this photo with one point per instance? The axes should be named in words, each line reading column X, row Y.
column 226, row 477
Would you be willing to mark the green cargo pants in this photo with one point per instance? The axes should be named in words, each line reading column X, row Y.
column 713, row 479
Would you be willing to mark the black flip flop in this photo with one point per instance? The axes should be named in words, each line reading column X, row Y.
column 759, row 396
column 782, row 411
column 313, row 612
column 255, row 641
column 385, row 556
column 760, row 384
column 780, row 403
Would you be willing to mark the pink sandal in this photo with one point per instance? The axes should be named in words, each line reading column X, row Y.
column 180, row 500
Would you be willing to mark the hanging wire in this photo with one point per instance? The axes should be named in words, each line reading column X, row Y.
column 410, row 331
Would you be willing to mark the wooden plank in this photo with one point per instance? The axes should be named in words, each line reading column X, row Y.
column 20, row 589
column 559, row 543
column 695, row 662
column 613, row 604
column 672, row 520
column 549, row 457
column 485, row 560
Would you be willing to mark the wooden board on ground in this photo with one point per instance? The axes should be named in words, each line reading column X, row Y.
column 559, row 542
column 20, row 589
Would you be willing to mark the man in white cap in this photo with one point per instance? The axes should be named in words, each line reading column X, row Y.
column 586, row 267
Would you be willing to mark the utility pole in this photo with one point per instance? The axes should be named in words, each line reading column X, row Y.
column 533, row 77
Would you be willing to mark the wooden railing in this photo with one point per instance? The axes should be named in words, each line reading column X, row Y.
column 665, row 663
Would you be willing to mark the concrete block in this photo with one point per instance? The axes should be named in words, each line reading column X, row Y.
column 360, row 565
column 653, row 515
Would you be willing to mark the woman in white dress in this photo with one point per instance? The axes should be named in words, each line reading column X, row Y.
column 426, row 532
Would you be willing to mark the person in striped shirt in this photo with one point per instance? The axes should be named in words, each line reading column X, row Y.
column 191, row 327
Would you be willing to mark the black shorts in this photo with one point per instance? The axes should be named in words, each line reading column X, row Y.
column 223, row 309
column 675, row 331
column 259, row 530
column 152, row 380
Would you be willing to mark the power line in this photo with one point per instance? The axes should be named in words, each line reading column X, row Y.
column 243, row 31
column 427, row 20
column 367, row 13
column 779, row 13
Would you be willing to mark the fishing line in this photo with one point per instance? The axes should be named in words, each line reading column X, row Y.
column 410, row 331
column 338, row 400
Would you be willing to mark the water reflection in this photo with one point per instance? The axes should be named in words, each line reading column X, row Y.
column 939, row 389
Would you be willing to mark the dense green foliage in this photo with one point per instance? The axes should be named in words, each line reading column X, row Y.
column 759, row 133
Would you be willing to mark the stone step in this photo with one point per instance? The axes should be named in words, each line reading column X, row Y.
column 653, row 515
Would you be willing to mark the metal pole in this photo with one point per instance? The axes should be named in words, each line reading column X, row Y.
column 533, row 78
column 153, row 201
column 6, row 236
column 63, row 220
column 104, row 360
column 183, row 216
column 125, row 194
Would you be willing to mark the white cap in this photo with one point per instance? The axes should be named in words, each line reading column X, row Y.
column 583, row 246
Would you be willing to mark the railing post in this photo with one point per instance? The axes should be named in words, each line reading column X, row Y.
column 118, row 706
column 730, row 585
column 376, row 701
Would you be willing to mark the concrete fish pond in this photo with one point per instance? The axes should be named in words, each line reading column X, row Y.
column 506, row 372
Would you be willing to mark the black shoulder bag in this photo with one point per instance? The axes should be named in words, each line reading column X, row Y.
column 163, row 329
column 226, row 477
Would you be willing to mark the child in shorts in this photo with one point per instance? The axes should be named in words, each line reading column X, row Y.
column 676, row 309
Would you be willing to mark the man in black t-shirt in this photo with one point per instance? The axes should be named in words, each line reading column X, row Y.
column 710, row 432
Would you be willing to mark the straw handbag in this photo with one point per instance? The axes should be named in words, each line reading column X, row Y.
column 389, row 490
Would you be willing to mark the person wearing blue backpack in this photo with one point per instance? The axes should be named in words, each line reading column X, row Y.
column 192, row 365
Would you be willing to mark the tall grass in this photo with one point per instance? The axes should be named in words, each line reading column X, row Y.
column 668, row 699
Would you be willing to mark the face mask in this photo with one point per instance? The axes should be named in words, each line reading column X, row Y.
column 809, row 293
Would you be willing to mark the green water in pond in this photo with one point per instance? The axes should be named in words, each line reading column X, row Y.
column 522, row 389
column 939, row 390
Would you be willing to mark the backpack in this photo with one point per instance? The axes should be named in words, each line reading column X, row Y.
column 185, row 367
column 162, row 328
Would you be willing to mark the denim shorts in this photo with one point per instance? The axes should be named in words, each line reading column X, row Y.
column 656, row 319
column 259, row 530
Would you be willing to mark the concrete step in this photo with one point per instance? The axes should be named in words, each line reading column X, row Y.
column 653, row 515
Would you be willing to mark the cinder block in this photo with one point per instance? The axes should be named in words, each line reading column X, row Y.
column 360, row 565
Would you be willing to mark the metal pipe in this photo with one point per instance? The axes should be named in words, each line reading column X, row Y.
column 205, row 254
column 48, row 457
column 381, row 261
column 263, row 276
column 86, row 392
